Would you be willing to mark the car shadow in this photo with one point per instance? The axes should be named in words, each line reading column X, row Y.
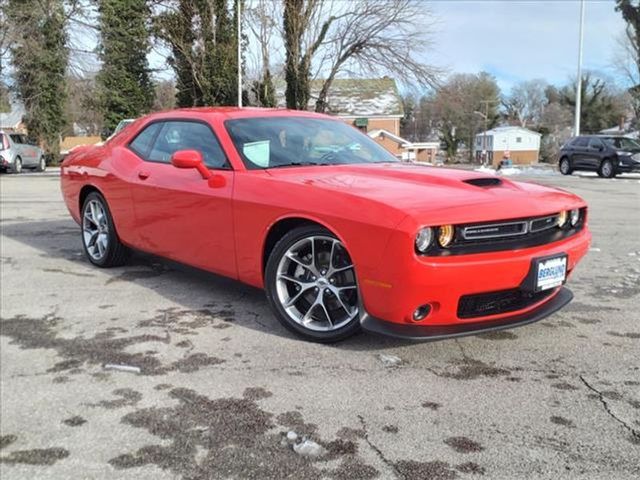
column 180, row 284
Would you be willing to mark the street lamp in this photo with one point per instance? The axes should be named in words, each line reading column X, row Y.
column 484, row 134
column 576, row 125
column 239, row 41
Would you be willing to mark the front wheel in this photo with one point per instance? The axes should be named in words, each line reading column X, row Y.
column 17, row 165
column 311, row 285
column 99, row 237
column 565, row 166
column 606, row 169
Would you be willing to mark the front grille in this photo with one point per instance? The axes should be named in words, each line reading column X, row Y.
column 494, row 303
column 494, row 230
column 508, row 235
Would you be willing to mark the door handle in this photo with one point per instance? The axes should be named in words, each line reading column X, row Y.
column 143, row 175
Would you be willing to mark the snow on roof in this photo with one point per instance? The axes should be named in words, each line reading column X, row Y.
column 355, row 97
column 13, row 118
column 385, row 133
column 508, row 128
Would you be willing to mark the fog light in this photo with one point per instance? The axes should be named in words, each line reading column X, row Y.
column 562, row 218
column 575, row 217
column 421, row 312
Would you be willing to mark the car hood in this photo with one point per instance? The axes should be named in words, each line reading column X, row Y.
column 432, row 194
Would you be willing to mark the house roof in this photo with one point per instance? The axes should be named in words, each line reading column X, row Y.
column 355, row 97
column 385, row 133
column 12, row 119
column 401, row 141
column 497, row 130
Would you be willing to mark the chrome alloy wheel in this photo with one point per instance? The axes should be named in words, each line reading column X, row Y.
column 607, row 168
column 95, row 229
column 316, row 284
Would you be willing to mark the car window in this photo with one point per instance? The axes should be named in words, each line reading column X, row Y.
column 142, row 143
column 595, row 143
column 4, row 143
column 16, row 138
column 622, row 143
column 271, row 142
column 184, row 135
column 580, row 142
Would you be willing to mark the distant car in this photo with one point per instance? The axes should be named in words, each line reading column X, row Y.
column 607, row 155
column 339, row 233
column 16, row 153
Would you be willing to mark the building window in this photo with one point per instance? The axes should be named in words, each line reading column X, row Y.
column 518, row 139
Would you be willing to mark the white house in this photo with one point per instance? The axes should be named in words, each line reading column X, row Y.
column 519, row 144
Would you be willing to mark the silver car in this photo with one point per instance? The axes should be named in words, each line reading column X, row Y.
column 17, row 153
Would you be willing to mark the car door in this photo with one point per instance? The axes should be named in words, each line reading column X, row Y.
column 594, row 154
column 180, row 215
column 579, row 152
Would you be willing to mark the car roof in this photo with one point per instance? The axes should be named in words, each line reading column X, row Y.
column 239, row 112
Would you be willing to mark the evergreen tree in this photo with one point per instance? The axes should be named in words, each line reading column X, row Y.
column 202, row 35
column 125, row 87
column 40, row 56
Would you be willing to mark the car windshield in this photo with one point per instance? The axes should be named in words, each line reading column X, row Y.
column 271, row 142
column 622, row 143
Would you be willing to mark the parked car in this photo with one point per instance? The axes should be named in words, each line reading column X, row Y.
column 339, row 233
column 16, row 153
column 607, row 155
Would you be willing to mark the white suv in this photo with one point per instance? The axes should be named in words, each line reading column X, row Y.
column 16, row 152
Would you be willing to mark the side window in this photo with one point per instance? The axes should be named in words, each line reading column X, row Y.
column 185, row 135
column 16, row 138
column 595, row 143
column 580, row 142
column 142, row 143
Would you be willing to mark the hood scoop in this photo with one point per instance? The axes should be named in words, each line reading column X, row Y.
column 484, row 182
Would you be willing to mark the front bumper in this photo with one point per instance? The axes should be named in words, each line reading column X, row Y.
column 628, row 167
column 405, row 282
column 441, row 332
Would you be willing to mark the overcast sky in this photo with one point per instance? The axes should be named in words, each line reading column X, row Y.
column 519, row 40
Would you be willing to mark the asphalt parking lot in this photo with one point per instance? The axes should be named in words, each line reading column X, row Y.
column 222, row 383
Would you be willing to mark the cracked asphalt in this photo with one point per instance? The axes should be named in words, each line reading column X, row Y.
column 221, row 383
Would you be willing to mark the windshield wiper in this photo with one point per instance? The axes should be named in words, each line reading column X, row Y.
column 298, row 164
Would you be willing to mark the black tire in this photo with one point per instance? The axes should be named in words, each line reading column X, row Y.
column 116, row 253
column 17, row 166
column 42, row 165
column 565, row 166
column 607, row 170
column 271, row 273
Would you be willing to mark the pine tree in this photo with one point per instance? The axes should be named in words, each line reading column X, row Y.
column 125, row 87
column 202, row 35
column 39, row 56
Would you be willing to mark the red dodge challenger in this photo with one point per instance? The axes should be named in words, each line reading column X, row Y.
column 340, row 234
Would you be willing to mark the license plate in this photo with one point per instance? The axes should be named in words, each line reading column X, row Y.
column 551, row 272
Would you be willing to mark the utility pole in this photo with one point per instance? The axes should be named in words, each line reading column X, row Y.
column 239, row 41
column 576, row 125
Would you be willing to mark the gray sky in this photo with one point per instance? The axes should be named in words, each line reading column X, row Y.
column 519, row 40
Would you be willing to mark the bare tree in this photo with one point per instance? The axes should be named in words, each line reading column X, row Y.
column 261, row 17
column 525, row 104
column 383, row 37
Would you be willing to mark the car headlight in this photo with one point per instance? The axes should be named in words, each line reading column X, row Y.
column 562, row 218
column 575, row 217
column 445, row 235
column 424, row 239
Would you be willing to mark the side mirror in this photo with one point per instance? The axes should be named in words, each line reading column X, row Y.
column 190, row 159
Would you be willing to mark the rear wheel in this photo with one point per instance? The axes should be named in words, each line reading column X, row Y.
column 565, row 166
column 311, row 285
column 99, row 237
column 42, row 165
column 606, row 169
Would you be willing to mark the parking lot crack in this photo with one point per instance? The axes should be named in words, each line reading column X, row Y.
column 377, row 450
column 634, row 433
